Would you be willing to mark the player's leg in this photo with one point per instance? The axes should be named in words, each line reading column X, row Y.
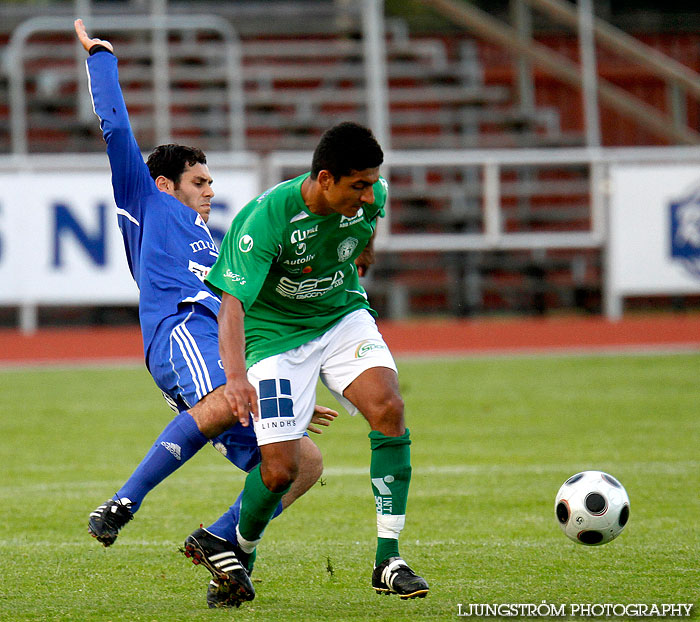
column 283, row 446
column 359, row 367
column 375, row 393
column 310, row 470
column 216, row 546
column 230, row 559
column 184, row 362
column 286, row 385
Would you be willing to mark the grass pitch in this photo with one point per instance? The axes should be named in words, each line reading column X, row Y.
column 493, row 439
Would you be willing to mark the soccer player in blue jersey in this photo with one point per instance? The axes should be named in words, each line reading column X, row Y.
column 162, row 210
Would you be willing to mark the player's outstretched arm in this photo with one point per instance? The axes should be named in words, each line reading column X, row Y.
column 130, row 176
column 85, row 39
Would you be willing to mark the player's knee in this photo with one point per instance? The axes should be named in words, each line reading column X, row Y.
column 387, row 415
column 212, row 414
column 214, row 422
column 278, row 475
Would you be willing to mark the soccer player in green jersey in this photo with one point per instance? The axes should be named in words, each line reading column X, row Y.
column 293, row 311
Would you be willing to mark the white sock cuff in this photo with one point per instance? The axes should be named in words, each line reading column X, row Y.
column 390, row 525
column 248, row 546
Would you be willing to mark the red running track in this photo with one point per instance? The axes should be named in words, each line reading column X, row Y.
column 436, row 337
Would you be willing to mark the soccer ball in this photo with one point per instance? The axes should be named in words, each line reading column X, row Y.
column 592, row 508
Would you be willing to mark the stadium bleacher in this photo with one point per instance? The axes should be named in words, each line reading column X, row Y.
column 446, row 90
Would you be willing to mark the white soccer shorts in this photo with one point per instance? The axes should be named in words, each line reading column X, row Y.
column 286, row 382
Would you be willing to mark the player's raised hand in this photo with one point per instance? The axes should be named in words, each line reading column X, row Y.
column 85, row 39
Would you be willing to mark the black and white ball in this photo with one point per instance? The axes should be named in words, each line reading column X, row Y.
column 592, row 508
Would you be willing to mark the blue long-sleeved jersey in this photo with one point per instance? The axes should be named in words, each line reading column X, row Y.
column 168, row 245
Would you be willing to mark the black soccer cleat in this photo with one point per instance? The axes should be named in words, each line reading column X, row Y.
column 219, row 596
column 393, row 576
column 106, row 521
column 227, row 564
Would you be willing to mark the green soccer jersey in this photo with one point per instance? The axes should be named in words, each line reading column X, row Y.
column 293, row 270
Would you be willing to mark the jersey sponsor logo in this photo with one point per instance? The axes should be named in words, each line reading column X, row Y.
column 368, row 346
column 198, row 270
column 309, row 288
column 277, row 424
column 245, row 244
column 346, row 248
column 296, row 262
column 685, row 232
column 295, row 265
column 299, row 235
column 234, row 278
column 203, row 245
column 275, row 398
column 353, row 220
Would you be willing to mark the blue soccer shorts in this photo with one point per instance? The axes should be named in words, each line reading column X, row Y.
column 185, row 363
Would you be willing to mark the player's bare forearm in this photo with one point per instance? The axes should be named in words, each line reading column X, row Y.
column 86, row 41
column 240, row 394
column 366, row 257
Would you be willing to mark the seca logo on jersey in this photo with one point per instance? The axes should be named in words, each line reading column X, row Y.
column 310, row 288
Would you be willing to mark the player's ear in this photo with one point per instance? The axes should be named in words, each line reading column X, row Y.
column 325, row 179
column 164, row 184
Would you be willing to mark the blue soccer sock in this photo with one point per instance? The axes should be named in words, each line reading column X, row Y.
column 225, row 525
column 177, row 443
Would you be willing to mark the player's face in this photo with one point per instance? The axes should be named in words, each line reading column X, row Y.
column 347, row 195
column 194, row 189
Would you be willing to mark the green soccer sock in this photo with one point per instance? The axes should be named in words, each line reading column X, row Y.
column 390, row 470
column 258, row 504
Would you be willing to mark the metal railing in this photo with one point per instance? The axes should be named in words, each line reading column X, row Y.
column 484, row 25
column 155, row 24
column 493, row 236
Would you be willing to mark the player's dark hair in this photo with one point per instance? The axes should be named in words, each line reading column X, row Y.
column 344, row 148
column 170, row 161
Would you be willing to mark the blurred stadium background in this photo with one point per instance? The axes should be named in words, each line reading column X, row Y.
column 543, row 156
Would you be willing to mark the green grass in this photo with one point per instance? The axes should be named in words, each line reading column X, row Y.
column 493, row 439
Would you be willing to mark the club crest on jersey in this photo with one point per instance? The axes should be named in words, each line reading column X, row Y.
column 346, row 248
column 685, row 232
column 245, row 244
